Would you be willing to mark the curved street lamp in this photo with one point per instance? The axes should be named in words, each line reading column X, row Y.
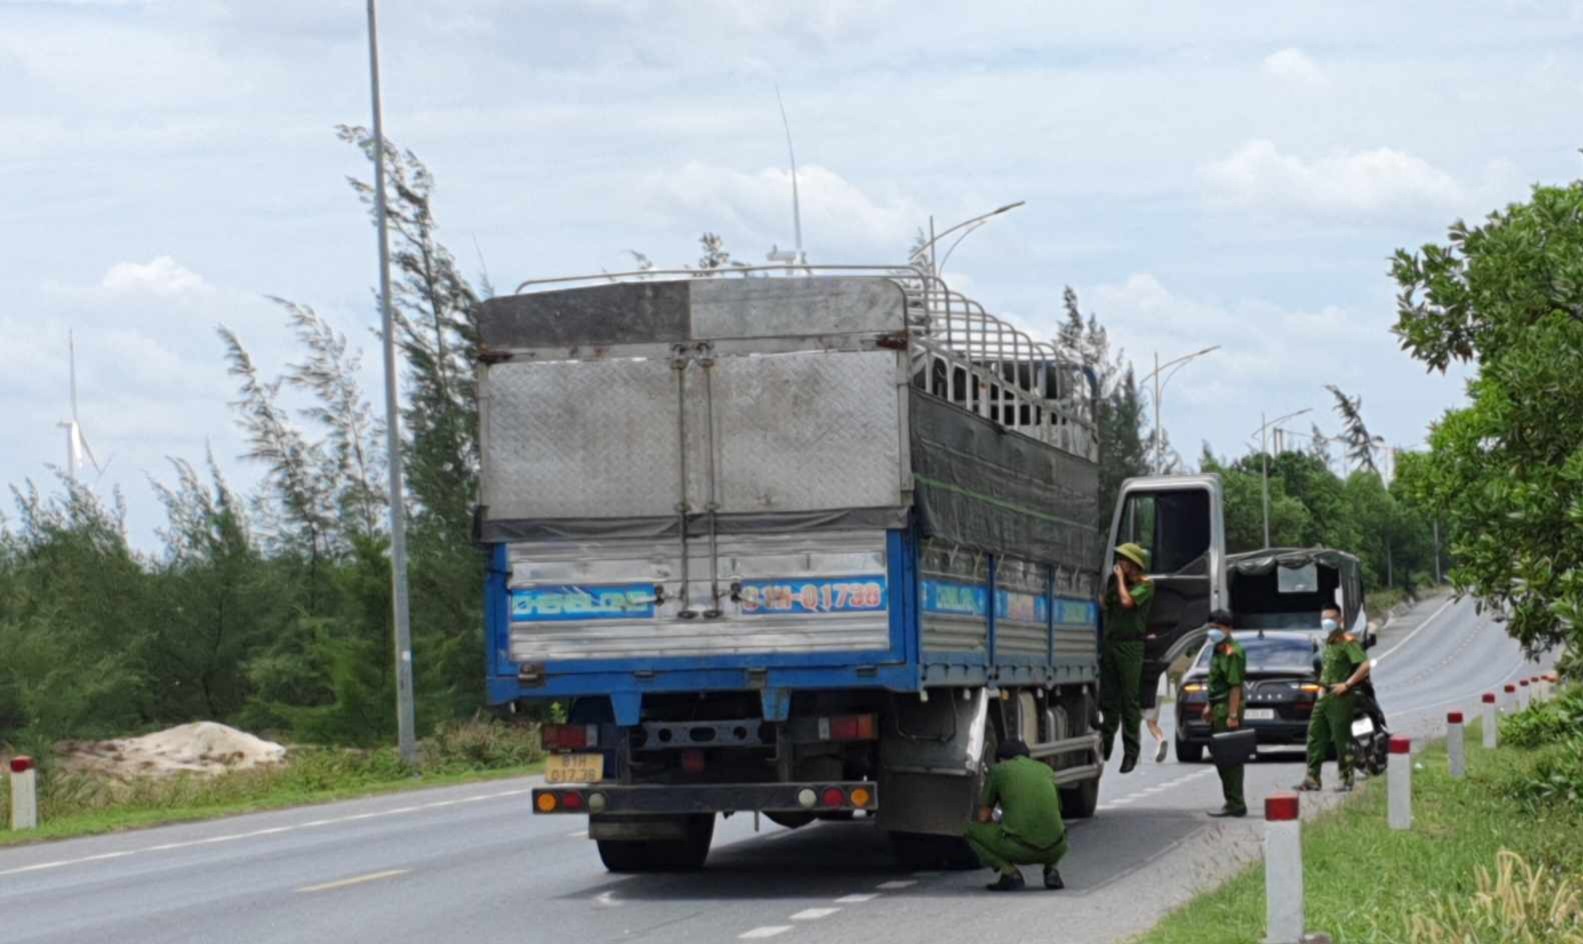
column 1159, row 388
column 1264, row 455
column 980, row 219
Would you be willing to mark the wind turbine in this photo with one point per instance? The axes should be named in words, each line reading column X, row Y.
column 777, row 254
column 76, row 443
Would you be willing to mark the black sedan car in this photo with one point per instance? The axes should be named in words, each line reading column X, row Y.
column 1282, row 685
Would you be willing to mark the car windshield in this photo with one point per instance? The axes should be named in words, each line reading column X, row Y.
column 1270, row 652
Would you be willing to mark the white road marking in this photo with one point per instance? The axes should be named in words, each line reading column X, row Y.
column 814, row 914
column 855, row 899
column 355, row 880
column 758, row 934
column 270, row 831
column 896, row 885
column 607, row 899
column 580, row 834
column 1418, row 629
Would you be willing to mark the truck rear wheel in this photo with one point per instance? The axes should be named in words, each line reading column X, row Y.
column 669, row 855
column 1079, row 801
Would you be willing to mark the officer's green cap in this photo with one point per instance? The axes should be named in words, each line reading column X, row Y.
column 1135, row 554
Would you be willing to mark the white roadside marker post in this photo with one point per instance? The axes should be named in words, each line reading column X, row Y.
column 1525, row 695
column 24, row 793
column 1492, row 728
column 1283, row 870
column 1399, row 771
column 1455, row 749
column 1509, row 704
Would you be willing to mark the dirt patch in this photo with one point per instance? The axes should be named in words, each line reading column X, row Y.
column 203, row 747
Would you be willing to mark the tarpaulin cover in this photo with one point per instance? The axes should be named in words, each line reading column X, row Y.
column 981, row 485
column 1338, row 569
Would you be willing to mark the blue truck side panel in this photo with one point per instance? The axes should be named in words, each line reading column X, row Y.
column 905, row 666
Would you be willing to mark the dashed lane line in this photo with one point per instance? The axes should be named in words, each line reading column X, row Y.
column 759, row 934
column 255, row 833
column 856, row 899
column 355, row 880
column 814, row 914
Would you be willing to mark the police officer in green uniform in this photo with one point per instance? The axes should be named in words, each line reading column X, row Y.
column 1228, row 667
column 1343, row 667
column 1128, row 600
column 1030, row 831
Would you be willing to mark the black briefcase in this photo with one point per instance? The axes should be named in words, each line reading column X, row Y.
column 1229, row 748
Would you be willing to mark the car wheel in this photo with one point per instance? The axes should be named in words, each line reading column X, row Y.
column 1188, row 752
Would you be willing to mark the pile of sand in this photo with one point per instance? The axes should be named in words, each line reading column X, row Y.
column 203, row 747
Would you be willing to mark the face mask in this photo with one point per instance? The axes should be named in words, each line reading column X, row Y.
column 1329, row 625
column 1216, row 637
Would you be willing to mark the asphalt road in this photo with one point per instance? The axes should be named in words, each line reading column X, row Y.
column 471, row 864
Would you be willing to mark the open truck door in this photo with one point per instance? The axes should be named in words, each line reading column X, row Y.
column 1180, row 521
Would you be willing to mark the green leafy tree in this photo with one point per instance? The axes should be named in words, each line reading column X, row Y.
column 1507, row 469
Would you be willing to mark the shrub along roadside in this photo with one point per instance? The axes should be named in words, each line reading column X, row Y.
column 80, row 805
column 1365, row 883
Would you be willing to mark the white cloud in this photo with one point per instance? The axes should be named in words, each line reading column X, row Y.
column 162, row 276
column 1381, row 180
column 1294, row 65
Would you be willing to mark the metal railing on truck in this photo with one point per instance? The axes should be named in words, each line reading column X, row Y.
column 961, row 353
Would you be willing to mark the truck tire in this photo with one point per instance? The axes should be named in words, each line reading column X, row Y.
column 1079, row 801
column 670, row 855
column 1189, row 753
column 790, row 820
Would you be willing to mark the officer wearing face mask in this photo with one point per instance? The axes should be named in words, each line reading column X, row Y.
column 1343, row 667
column 1228, row 669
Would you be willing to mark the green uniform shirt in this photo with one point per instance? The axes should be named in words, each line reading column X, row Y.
column 1339, row 660
column 1227, row 670
column 1029, row 801
column 1122, row 624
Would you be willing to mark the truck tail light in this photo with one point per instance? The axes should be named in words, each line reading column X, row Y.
column 832, row 796
column 569, row 737
column 693, row 762
column 849, row 728
column 571, row 801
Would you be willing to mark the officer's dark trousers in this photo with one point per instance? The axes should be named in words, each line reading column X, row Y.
column 1120, row 676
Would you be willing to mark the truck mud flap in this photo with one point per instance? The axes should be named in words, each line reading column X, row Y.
column 599, row 799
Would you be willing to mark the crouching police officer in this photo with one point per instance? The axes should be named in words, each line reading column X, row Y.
column 1343, row 667
column 1030, row 831
column 1228, row 668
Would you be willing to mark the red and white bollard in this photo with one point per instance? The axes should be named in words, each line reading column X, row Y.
column 1509, row 705
column 1455, row 749
column 1492, row 728
column 1399, row 771
column 1283, row 870
column 1525, row 695
column 24, row 793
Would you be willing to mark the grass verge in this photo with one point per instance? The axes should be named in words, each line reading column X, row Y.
column 72, row 805
column 1365, row 884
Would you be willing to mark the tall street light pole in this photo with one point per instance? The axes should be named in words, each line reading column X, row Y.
column 929, row 246
column 1264, row 455
column 405, row 723
column 1159, row 388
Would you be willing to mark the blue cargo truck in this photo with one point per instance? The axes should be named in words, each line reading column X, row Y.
column 802, row 544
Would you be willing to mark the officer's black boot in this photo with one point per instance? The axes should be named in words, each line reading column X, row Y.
column 1052, row 878
column 1008, row 882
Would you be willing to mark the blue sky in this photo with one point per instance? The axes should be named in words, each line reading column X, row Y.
column 1200, row 173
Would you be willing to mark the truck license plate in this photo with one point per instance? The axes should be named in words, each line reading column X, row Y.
column 574, row 768
column 1260, row 714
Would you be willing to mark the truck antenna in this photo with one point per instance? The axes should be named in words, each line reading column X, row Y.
column 800, row 258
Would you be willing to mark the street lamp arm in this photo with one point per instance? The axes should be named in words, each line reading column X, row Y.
column 1281, row 419
column 1178, row 361
column 968, row 222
